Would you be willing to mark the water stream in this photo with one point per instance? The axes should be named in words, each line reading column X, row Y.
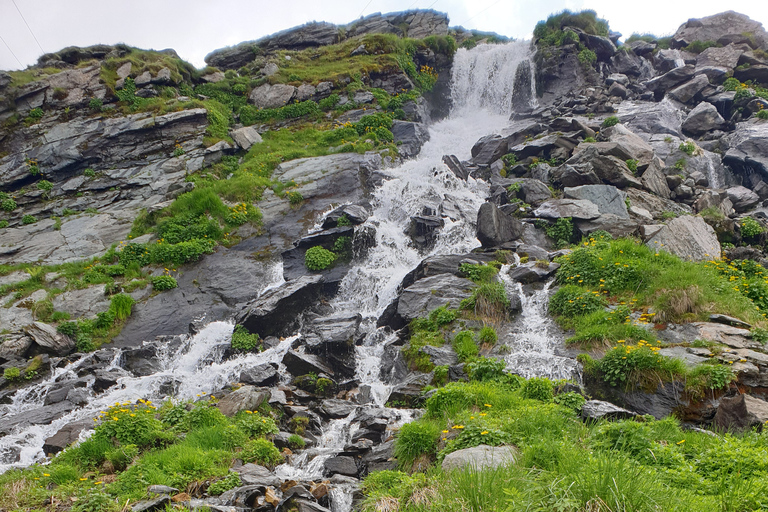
column 482, row 85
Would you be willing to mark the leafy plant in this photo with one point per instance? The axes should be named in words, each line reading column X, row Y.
column 538, row 388
column 486, row 369
column 750, row 228
column 587, row 57
column 296, row 442
column 28, row 219
column 610, row 121
column 243, row 340
column 687, row 147
column 632, row 165
column 230, row 481
column 478, row 273
column 488, row 300
column 261, row 451
column 561, row 231
column 465, row 347
column 165, row 282
column 487, row 335
column 571, row 400
column 415, row 440
column 573, row 300
column 317, row 258
column 638, row 364
column 12, row 373
column 7, row 204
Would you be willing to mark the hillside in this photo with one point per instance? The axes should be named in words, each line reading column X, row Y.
column 390, row 265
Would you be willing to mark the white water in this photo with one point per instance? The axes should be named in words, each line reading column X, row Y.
column 536, row 339
column 482, row 86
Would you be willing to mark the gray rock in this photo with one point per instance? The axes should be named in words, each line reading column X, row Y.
column 654, row 180
column 410, row 137
column 607, row 198
column 270, row 69
column 152, row 504
column 85, row 303
column 742, row 198
column 683, row 354
column 495, row 227
column 65, row 436
column 686, row 92
column 616, row 89
column 600, row 159
column 688, row 237
column 598, row 410
column 748, row 148
column 342, row 465
column 670, row 79
column 724, row 28
column 305, row 36
column 574, row 208
column 532, row 272
column 233, row 57
column 14, row 345
column 305, row 92
column 650, row 119
column 246, row 398
column 275, row 312
column 441, row 356
column 49, row 340
column 613, row 224
column 570, row 176
column 259, row 375
column 702, row 119
column 456, row 167
column 272, row 96
column 246, row 137
column 757, row 73
column 253, row 474
column 432, row 292
column 726, row 57
column 741, row 412
column 480, row 457
column 489, row 149
column 332, row 408
column 534, row 192
column 729, row 320
column 162, row 489
column 301, row 364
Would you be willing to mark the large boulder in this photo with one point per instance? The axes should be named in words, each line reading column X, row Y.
column 748, row 148
column 702, row 119
column 272, row 96
column 607, row 198
column 661, row 84
column 648, row 119
column 480, row 457
column 742, row 198
column 574, row 208
column 432, row 292
column 741, row 412
column 494, row 227
column 688, row 237
column 724, row 28
column 409, row 137
column 598, row 410
column 246, row 398
column 49, row 340
column 631, row 143
column 686, row 92
column 246, row 137
column 302, row 37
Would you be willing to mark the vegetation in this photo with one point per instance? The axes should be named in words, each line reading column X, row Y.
column 243, row 340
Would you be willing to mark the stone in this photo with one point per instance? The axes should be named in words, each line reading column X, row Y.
column 305, row 92
column 757, row 73
column 431, row 293
column 489, row 149
column 527, row 273
column 741, row 412
column 748, row 148
column 729, row 320
column 616, row 89
column 85, row 303
column 654, row 180
column 301, row 364
column 742, row 198
column 703, row 118
column 670, row 79
column 726, row 57
column 246, row 398
column 333, row 408
column 65, row 436
column 613, row 224
column 687, row 91
column 162, row 489
column 647, row 120
column 270, row 68
column 574, row 208
column 233, row 57
column 410, row 137
column 607, row 198
column 440, row 356
column 495, row 227
column 272, row 96
column 253, row 474
column 275, row 312
column 47, row 338
column 534, row 192
column 480, row 457
column 598, row 410
column 724, row 28
column 683, row 354
column 14, row 345
column 246, row 137
column 688, row 237
column 341, row 465
column 601, row 160
column 261, row 375
column 151, row 504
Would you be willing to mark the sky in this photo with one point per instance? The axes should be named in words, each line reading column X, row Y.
column 194, row 28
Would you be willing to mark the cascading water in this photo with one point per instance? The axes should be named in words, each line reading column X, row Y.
column 482, row 87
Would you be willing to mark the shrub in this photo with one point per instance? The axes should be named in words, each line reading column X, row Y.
column 104, row 320
column 632, row 165
column 465, row 347
column 572, row 300
column 7, row 204
column 296, row 442
column 318, row 258
column 28, row 219
column 487, row 335
column 3, row 224
column 440, row 377
column 587, row 57
column 561, row 231
column 442, row 316
column 371, row 122
column 762, row 114
column 261, row 451
column 478, row 273
column 89, row 173
column 708, row 377
column 415, row 440
column 203, row 414
column 731, row 84
column 610, row 121
column 230, row 481
column 329, row 103
column 95, row 104
column 637, row 365
column 12, row 373
column 486, row 369
column 294, row 197
column 243, row 340
column 130, row 424
column 161, row 283
column 687, row 147
column 750, row 228
column 121, row 305
column 343, row 221
column 488, row 299
column 571, row 400
column 538, row 388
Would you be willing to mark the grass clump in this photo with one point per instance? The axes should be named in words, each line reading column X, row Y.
column 488, row 300
column 610, row 121
column 243, row 340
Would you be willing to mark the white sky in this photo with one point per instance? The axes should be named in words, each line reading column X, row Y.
column 194, row 28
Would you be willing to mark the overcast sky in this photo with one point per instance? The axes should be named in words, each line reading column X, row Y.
column 196, row 27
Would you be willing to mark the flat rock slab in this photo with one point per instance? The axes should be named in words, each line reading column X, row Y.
column 733, row 337
column 607, row 198
column 574, row 208
column 688, row 237
column 432, row 292
column 480, row 457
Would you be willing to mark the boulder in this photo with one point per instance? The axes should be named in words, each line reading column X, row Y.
column 607, row 198
column 532, row 272
column 742, row 198
column 613, row 224
column 14, row 346
column 432, row 292
column 260, row 375
column 598, row 410
column 741, row 412
column 724, row 28
column 253, row 474
column 661, row 84
column 158, row 503
column 480, row 457
column 272, row 96
column 654, row 179
column 630, row 143
column 748, row 148
column 757, row 73
column 456, row 167
column 702, row 119
column 233, row 57
column 246, row 398
column 409, row 137
column 726, row 57
column 46, row 337
column 601, row 159
column 489, row 149
column 574, row 208
column 648, row 119
column 65, row 436
column 275, row 312
column 572, row 176
column 534, row 192
column 495, row 227
column 688, row 237
column 301, row 364
column 686, row 92
column 246, row 137
column 304, row 36
column 341, row 465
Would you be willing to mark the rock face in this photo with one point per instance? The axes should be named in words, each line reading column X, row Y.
column 574, row 208
column 607, row 198
column 46, row 337
column 688, row 237
column 724, row 28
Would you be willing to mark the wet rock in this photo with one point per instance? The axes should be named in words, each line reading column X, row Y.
column 489, row 149
column 247, row 496
column 38, row 416
column 687, row 237
column 333, row 408
column 432, row 292
column 480, row 457
column 456, row 167
column 532, row 272
column 342, row 465
column 247, row 398
column 46, row 337
column 141, row 361
column 607, row 198
column 261, row 375
column 742, row 198
column 356, row 214
column 410, row 388
column 440, row 356
column 598, row 410
column 599, row 159
column 494, row 227
column 748, row 148
column 105, row 379
column 302, row 364
column 423, row 230
column 275, row 312
column 253, row 474
column 702, row 119
column 410, row 137
column 304, row 505
column 574, row 208
column 741, row 412
column 66, row 435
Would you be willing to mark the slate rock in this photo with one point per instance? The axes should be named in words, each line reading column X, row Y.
column 157, row 503
column 574, row 208
column 301, row 364
column 495, row 227
column 742, row 198
column 341, row 465
column 410, row 137
column 246, row 137
column 431, row 293
column 480, row 457
column 272, row 96
column 253, row 474
column 607, row 198
column 65, row 436
column 260, row 375
column 703, row 118
column 47, row 338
